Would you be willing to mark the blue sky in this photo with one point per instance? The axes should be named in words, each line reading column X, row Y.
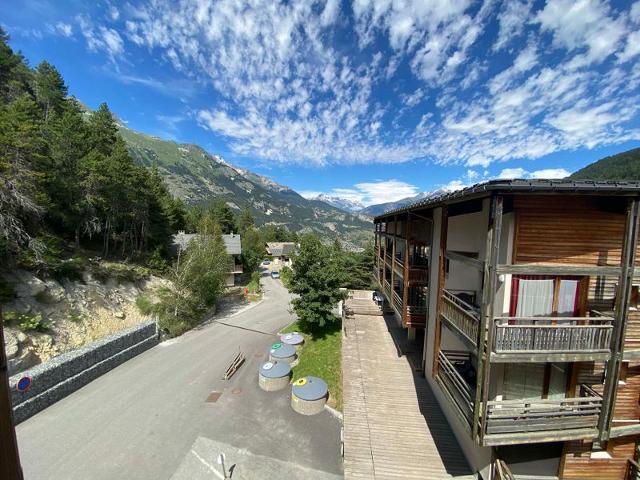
column 372, row 100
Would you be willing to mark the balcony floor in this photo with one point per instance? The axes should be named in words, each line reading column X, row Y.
column 393, row 425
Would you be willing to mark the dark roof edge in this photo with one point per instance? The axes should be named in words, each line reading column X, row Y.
column 523, row 186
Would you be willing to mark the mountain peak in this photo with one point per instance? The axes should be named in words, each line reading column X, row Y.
column 346, row 204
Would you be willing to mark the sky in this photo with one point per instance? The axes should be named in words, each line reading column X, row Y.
column 370, row 100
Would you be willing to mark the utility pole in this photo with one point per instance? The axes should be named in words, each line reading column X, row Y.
column 9, row 459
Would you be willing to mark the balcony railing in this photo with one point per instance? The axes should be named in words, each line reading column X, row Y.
column 455, row 386
column 509, row 421
column 633, row 470
column 502, row 471
column 386, row 286
column 461, row 316
column 551, row 338
column 397, row 302
column 417, row 309
column 418, row 275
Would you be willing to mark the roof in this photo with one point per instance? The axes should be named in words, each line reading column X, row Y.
column 522, row 186
column 280, row 249
column 231, row 241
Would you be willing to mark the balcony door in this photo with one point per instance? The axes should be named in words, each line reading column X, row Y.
column 542, row 296
column 547, row 296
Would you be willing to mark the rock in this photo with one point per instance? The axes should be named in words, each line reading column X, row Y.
column 22, row 362
column 22, row 337
column 29, row 286
column 55, row 291
column 11, row 346
column 119, row 314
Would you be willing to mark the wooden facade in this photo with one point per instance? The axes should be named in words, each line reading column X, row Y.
column 588, row 240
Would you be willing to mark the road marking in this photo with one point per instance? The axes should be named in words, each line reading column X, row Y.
column 208, row 465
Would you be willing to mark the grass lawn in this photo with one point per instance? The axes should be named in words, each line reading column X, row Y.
column 320, row 356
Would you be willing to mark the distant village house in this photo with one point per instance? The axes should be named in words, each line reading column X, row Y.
column 281, row 252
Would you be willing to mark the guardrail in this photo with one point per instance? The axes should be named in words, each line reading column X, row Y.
column 461, row 316
column 542, row 336
column 455, row 386
column 544, row 415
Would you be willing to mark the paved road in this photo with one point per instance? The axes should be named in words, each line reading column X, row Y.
column 140, row 420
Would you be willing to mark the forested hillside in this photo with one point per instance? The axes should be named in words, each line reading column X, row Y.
column 66, row 178
column 623, row 166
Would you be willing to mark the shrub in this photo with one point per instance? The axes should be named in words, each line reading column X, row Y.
column 254, row 284
column 144, row 305
column 157, row 261
column 32, row 322
column 71, row 268
column 74, row 316
column 285, row 275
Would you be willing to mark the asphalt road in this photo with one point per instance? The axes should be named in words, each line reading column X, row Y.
column 140, row 420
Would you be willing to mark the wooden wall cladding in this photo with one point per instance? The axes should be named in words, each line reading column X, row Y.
column 578, row 464
column 568, row 229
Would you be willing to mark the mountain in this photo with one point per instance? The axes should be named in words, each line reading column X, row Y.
column 380, row 208
column 622, row 166
column 196, row 176
column 351, row 206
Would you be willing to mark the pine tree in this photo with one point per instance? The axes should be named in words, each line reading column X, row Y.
column 317, row 278
column 51, row 91
column 246, row 220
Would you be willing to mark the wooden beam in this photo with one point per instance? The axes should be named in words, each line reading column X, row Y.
column 537, row 269
column 10, row 468
column 488, row 299
column 444, row 226
column 623, row 296
column 459, row 257
column 405, row 276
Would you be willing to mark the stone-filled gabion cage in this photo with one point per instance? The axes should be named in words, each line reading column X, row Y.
column 309, row 395
column 281, row 352
column 273, row 376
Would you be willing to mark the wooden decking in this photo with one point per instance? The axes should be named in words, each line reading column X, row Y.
column 393, row 426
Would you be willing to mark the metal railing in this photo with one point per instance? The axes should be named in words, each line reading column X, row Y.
column 544, row 415
column 460, row 315
column 397, row 302
column 455, row 386
column 549, row 335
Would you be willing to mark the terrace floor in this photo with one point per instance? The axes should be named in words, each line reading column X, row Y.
column 393, row 425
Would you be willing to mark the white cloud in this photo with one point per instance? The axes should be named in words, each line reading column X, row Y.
column 421, row 86
column 114, row 13
column 509, row 173
column 61, row 28
column 583, row 24
column 370, row 193
column 100, row 37
column 548, row 173
column 512, row 20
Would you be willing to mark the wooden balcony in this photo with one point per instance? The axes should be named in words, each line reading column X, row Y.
column 387, row 288
column 551, row 339
column 542, row 420
column 460, row 317
column 460, row 393
column 632, row 471
column 418, row 276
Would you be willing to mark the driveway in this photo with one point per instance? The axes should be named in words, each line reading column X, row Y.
column 140, row 420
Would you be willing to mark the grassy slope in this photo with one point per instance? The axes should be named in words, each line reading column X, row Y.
column 623, row 166
column 196, row 176
column 321, row 357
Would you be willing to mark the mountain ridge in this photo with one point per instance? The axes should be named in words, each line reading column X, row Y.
column 197, row 176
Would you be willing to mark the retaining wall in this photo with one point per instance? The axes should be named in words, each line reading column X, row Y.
column 66, row 373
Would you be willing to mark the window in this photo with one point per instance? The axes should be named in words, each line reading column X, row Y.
column 547, row 296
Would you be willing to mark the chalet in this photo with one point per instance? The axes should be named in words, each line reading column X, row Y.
column 523, row 296
column 281, row 252
column 181, row 241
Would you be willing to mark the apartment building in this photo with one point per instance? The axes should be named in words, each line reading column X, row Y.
column 523, row 296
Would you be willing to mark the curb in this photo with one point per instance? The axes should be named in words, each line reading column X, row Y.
column 334, row 412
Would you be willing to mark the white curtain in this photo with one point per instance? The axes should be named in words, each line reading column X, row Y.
column 567, row 297
column 535, row 298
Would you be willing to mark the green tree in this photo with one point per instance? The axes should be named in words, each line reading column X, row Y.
column 21, row 150
column 103, row 131
column 253, row 249
column 317, row 278
column 219, row 213
column 198, row 281
column 50, row 90
column 245, row 220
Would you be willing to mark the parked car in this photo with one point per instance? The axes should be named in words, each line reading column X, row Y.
column 266, row 262
column 275, row 274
